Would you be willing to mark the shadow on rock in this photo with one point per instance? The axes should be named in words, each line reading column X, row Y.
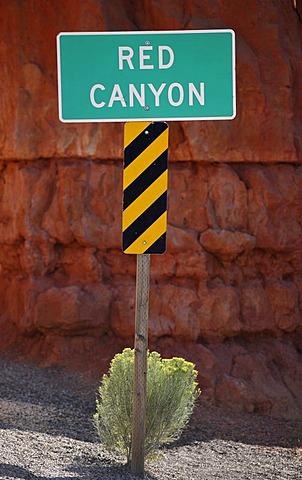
column 208, row 423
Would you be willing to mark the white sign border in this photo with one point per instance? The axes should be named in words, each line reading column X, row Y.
column 146, row 119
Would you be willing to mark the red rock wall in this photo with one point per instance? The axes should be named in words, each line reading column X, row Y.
column 228, row 292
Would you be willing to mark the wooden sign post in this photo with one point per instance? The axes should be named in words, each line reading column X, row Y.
column 144, row 232
column 140, row 364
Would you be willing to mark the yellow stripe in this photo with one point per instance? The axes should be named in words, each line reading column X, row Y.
column 151, row 153
column 132, row 130
column 150, row 236
column 146, row 199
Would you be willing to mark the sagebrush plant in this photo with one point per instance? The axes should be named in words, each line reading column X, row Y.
column 171, row 393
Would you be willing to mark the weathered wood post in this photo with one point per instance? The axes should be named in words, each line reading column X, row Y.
column 140, row 364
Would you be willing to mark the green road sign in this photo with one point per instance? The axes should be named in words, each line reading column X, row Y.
column 124, row 76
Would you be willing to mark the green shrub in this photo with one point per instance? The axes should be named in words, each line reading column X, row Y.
column 171, row 394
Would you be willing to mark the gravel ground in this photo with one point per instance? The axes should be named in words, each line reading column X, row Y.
column 46, row 433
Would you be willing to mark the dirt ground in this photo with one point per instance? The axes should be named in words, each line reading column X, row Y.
column 47, row 433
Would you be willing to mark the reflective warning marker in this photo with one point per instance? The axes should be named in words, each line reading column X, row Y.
column 145, row 187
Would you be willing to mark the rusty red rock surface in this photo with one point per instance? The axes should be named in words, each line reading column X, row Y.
column 228, row 292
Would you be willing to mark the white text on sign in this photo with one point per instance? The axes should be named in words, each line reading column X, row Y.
column 125, row 54
column 175, row 93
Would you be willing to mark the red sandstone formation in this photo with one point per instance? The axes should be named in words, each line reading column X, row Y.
column 228, row 292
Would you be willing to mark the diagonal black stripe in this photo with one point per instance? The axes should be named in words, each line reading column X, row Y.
column 144, row 221
column 159, row 246
column 145, row 179
column 142, row 141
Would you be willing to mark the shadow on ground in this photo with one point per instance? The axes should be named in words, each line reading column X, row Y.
column 55, row 400
column 107, row 470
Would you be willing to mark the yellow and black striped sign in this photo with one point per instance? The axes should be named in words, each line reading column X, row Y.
column 145, row 187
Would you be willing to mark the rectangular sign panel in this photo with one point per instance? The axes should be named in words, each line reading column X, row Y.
column 152, row 76
column 145, row 184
